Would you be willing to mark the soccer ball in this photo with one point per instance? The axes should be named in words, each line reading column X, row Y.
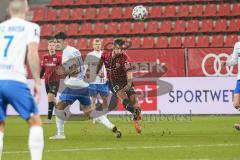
column 139, row 12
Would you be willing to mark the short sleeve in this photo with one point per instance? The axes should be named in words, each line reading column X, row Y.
column 33, row 34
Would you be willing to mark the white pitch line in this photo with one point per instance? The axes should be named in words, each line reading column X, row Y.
column 124, row 148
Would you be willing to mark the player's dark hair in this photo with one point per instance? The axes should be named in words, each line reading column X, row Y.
column 119, row 42
column 60, row 35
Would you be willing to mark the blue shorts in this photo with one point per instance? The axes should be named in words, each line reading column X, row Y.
column 71, row 95
column 237, row 89
column 101, row 89
column 19, row 96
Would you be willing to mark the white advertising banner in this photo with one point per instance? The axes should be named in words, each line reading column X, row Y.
column 180, row 95
column 199, row 95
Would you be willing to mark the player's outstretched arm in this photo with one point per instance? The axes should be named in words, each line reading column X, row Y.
column 34, row 64
column 233, row 59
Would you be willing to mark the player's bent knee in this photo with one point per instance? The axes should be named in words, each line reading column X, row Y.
column 51, row 97
column 87, row 109
column 63, row 114
column 61, row 105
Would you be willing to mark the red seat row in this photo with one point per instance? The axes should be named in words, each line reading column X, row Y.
column 115, row 28
column 161, row 42
column 123, row 13
column 91, row 2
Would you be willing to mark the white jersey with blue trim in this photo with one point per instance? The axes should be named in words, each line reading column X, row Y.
column 91, row 62
column 15, row 35
column 235, row 58
column 70, row 53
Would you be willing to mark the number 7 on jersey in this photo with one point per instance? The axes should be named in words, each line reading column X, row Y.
column 9, row 39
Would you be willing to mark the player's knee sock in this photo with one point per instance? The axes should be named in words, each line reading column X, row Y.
column 1, row 143
column 36, row 142
column 105, row 121
column 127, row 105
column 60, row 126
column 50, row 109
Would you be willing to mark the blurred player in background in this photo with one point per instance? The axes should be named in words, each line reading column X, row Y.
column 98, row 85
column 19, row 41
column 71, row 58
column 120, row 78
column 49, row 64
column 231, row 61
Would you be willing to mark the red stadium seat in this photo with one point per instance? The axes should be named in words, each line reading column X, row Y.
column 103, row 13
column 162, row 42
column 112, row 28
column 94, row 2
column 86, row 29
column 231, row 40
column 220, row 25
column 68, row 2
column 210, row 10
column 60, row 28
column 56, row 3
column 77, row 14
column 192, row 26
column 125, row 28
column 156, row 11
column 82, row 44
column 175, row 42
column 224, row 9
column 39, row 14
column 43, row 44
column 183, row 11
column 234, row 25
column 166, row 26
column 179, row 26
column 170, row 11
column 236, row 9
column 64, row 14
column 116, row 13
column 90, row 13
column 207, row 26
column 217, row 41
column 138, row 27
column 73, row 29
column 196, row 11
column 107, row 1
column 71, row 42
column 51, row 15
column 203, row 41
column 189, row 41
column 148, row 42
column 99, row 28
column 152, row 27
column 47, row 30
column 127, row 12
column 81, row 2
column 136, row 42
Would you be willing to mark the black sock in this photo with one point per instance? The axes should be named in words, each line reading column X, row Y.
column 126, row 103
column 50, row 109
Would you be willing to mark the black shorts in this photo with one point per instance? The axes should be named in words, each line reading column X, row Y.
column 52, row 88
column 115, row 87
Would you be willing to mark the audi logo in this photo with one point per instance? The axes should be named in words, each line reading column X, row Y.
column 217, row 65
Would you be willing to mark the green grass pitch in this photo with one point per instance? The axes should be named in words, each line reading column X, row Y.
column 198, row 138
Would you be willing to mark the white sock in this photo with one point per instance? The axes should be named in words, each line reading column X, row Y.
column 105, row 121
column 35, row 142
column 1, row 144
column 60, row 126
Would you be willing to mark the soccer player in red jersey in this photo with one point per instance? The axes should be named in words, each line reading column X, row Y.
column 120, row 78
column 49, row 63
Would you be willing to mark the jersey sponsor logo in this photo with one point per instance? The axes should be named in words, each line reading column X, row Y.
column 215, row 60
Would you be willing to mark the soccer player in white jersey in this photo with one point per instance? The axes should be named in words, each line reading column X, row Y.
column 16, row 37
column 70, row 94
column 233, row 60
column 97, row 83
